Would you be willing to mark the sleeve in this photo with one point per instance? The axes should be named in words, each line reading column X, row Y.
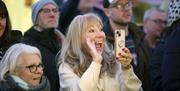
column 128, row 80
column 69, row 81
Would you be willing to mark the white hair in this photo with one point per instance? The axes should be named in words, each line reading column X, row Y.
column 147, row 14
column 9, row 60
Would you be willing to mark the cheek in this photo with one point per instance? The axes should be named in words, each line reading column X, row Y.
column 26, row 76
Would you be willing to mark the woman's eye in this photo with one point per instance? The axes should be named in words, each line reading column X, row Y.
column 91, row 30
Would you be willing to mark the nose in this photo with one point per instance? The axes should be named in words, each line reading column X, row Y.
column 39, row 70
column 100, row 34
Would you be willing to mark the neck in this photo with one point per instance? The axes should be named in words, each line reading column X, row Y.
column 115, row 26
column 150, row 38
column 151, row 41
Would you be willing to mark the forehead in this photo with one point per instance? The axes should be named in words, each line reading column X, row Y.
column 49, row 5
column 28, row 59
column 158, row 14
column 94, row 23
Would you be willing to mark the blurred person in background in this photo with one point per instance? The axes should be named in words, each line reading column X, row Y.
column 87, row 64
column 45, row 36
column 7, row 37
column 21, row 69
column 154, row 26
column 120, row 13
column 72, row 8
column 154, row 22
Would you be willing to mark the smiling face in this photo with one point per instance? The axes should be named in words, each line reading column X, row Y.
column 94, row 33
column 25, row 61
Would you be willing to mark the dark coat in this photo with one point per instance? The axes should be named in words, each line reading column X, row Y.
column 156, row 61
column 171, row 60
column 143, row 52
column 15, row 37
column 46, row 42
column 11, row 85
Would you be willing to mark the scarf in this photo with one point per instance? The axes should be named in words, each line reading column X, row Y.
column 18, row 84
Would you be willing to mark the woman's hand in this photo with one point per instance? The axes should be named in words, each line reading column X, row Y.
column 124, row 58
column 97, row 57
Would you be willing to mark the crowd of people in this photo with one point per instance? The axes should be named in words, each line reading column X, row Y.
column 71, row 47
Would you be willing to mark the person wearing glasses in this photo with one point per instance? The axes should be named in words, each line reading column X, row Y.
column 120, row 13
column 154, row 26
column 46, row 37
column 154, row 22
column 87, row 64
column 21, row 69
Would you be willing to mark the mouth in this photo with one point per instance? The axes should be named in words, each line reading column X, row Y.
column 37, row 78
column 99, row 46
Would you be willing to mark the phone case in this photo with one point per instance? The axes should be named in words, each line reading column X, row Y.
column 119, row 37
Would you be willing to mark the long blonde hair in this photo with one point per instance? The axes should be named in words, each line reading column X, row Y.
column 72, row 52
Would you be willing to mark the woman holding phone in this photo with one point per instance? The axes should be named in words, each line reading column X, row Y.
column 87, row 64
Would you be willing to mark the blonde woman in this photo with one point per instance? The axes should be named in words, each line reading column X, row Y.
column 86, row 64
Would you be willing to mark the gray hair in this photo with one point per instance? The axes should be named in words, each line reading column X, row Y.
column 10, row 59
column 147, row 14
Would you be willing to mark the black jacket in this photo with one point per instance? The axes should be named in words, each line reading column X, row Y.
column 15, row 37
column 46, row 42
column 11, row 85
column 143, row 52
column 171, row 60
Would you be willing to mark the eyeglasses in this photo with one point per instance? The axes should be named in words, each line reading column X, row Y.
column 33, row 68
column 128, row 5
column 47, row 11
column 158, row 21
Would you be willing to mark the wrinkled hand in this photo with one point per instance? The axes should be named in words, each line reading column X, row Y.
column 124, row 58
column 97, row 57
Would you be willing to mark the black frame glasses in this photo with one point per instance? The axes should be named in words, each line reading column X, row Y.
column 159, row 21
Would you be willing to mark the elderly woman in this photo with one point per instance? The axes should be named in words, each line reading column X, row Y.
column 6, row 39
column 86, row 64
column 21, row 69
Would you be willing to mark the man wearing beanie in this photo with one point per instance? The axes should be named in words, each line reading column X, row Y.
column 44, row 35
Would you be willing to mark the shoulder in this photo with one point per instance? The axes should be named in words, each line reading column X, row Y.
column 4, row 86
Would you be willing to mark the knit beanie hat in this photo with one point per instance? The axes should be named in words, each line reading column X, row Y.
column 174, row 11
column 36, row 7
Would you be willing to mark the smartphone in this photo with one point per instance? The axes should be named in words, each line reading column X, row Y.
column 119, row 37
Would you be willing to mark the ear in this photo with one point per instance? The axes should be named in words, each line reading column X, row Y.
column 107, row 11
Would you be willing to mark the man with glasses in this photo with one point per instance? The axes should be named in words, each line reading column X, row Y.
column 154, row 23
column 44, row 35
column 120, row 13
